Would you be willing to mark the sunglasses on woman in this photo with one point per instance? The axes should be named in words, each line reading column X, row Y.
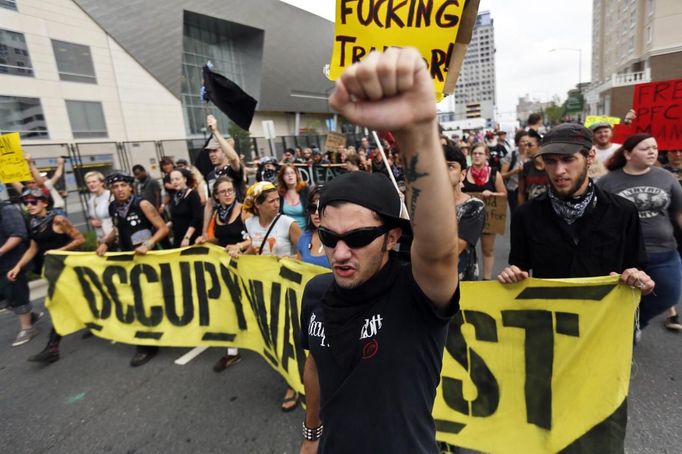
column 31, row 202
column 313, row 207
column 354, row 239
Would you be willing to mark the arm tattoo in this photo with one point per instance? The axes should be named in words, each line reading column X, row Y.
column 414, row 196
column 411, row 174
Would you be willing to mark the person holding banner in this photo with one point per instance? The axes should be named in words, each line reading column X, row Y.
column 376, row 327
column 576, row 229
column 271, row 233
column 49, row 232
column 633, row 174
column 139, row 227
column 487, row 181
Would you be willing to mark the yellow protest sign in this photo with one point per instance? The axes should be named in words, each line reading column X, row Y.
column 429, row 25
column 13, row 166
column 592, row 119
column 535, row 367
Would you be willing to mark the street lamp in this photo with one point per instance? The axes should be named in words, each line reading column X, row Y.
column 580, row 60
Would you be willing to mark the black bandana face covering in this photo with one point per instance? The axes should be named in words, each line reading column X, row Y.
column 570, row 210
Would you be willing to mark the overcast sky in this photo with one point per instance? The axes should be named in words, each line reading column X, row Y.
column 525, row 31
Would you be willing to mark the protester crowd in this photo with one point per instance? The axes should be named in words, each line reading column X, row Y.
column 266, row 208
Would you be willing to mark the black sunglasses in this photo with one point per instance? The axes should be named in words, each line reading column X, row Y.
column 312, row 208
column 354, row 239
column 31, row 202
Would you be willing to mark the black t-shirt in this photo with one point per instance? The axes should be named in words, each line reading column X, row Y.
column 236, row 176
column 384, row 403
column 537, row 181
column 608, row 238
column 470, row 222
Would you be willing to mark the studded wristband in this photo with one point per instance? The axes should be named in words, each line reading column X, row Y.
column 312, row 434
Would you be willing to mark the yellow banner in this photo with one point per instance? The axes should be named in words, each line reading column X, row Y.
column 592, row 119
column 531, row 367
column 429, row 25
column 13, row 166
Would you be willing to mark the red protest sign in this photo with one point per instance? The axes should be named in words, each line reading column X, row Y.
column 659, row 112
column 621, row 132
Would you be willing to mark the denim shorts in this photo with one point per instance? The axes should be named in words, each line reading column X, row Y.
column 665, row 269
column 16, row 294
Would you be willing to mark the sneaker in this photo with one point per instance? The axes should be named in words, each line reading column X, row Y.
column 24, row 336
column 48, row 356
column 673, row 323
column 226, row 361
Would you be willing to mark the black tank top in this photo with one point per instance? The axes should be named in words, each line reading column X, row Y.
column 230, row 233
column 47, row 240
column 134, row 228
column 468, row 186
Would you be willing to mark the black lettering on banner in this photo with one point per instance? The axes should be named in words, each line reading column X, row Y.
column 93, row 326
column 424, row 10
column 257, row 302
column 287, row 347
column 444, row 20
column 488, row 396
column 366, row 20
column 112, row 287
column 151, row 276
column 539, row 353
column 84, row 274
column 449, row 427
column 292, row 302
column 235, row 290
column 375, row 12
column 121, row 257
column 202, row 293
column 275, row 293
column 440, row 60
column 196, row 250
column 168, row 291
column 148, row 335
column 392, row 14
column 227, row 337
column 290, row 275
column 591, row 292
column 343, row 39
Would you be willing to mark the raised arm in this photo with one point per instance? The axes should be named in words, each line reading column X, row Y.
column 393, row 91
column 227, row 148
column 58, row 172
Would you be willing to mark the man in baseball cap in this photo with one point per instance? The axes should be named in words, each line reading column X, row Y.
column 604, row 148
column 575, row 229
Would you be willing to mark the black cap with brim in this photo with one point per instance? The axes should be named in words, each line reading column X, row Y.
column 372, row 191
column 567, row 138
column 115, row 177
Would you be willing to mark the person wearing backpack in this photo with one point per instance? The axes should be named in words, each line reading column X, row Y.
column 512, row 166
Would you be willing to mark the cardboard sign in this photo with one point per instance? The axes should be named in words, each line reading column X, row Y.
column 334, row 141
column 430, row 26
column 592, row 119
column 659, row 112
column 495, row 213
column 13, row 166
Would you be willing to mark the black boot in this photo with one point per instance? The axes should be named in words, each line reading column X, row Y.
column 50, row 353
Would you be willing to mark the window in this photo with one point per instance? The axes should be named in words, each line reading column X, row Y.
column 649, row 35
column 650, row 7
column 74, row 62
column 87, row 119
column 14, row 58
column 22, row 115
column 9, row 4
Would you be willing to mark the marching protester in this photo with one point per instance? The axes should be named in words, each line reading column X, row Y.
column 226, row 228
column 198, row 183
column 57, row 202
column 470, row 213
column 187, row 214
column 139, row 227
column 512, row 167
column 674, row 166
column 147, row 187
column 375, row 327
column 48, row 232
column 98, row 204
column 13, row 241
column 309, row 247
column 499, row 150
column 271, row 233
column 533, row 180
column 225, row 161
column 576, row 229
column 657, row 195
column 534, row 125
column 481, row 178
column 293, row 192
column 604, row 148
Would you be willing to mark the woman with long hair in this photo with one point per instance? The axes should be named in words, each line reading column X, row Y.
column 271, row 233
column 48, row 232
column 226, row 228
column 98, row 204
column 187, row 214
column 309, row 247
column 633, row 174
column 488, row 182
column 293, row 192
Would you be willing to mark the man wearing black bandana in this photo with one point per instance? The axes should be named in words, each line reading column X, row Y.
column 139, row 227
column 376, row 327
column 575, row 229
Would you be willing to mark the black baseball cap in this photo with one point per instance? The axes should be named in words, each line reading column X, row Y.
column 117, row 176
column 567, row 138
column 372, row 191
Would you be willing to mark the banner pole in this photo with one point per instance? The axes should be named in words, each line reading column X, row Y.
column 403, row 208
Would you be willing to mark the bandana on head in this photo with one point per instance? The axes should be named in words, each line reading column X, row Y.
column 254, row 191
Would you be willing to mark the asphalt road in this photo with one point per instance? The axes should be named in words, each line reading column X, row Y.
column 91, row 401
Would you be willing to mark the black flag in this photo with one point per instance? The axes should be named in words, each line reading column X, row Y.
column 229, row 98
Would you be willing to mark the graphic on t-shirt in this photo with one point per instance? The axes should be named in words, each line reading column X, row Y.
column 316, row 329
column 371, row 327
column 650, row 201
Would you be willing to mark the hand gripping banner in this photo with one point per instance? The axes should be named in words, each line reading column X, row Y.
column 535, row 367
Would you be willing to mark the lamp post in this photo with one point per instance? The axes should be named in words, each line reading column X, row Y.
column 580, row 60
